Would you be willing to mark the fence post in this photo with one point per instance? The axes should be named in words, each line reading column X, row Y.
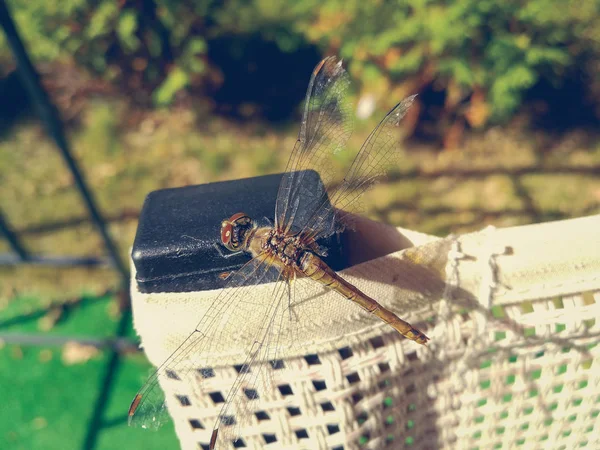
column 49, row 115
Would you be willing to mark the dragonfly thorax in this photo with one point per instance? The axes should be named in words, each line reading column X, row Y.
column 288, row 249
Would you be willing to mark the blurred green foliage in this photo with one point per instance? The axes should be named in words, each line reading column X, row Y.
column 483, row 53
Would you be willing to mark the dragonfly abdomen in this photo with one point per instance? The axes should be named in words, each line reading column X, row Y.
column 314, row 267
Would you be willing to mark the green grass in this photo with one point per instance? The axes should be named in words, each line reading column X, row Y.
column 49, row 397
column 46, row 404
column 88, row 316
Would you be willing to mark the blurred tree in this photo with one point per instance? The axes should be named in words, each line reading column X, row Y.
column 136, row 44
column 483, row 55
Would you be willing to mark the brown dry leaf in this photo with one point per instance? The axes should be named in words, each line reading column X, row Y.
column 455, row 94
column 51, row 318
column 103, row 171
column 478, row 111
column 454, row 135
column 17, row 352
column 76, row 353
column 139, row 64
column 328, row 21
column 391, row 57
column 114, row 310
column 45, row 355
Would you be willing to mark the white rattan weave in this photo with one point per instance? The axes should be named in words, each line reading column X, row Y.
column 513, row 362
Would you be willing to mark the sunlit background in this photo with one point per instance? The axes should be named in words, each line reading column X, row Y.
column 157, row 94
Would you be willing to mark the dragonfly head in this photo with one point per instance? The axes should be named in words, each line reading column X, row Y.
column 235, row 231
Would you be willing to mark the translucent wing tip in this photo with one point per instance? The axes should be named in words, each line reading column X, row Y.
column 318, row 66
column 407, row 102
column 147, row 410
column 399, row 111
column 213, row 439
column 133, row 407
column 330, row 59
column 330, row 65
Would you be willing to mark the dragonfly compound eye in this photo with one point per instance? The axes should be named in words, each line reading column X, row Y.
column 233, row 231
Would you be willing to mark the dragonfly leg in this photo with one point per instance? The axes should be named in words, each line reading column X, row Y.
column 290, row 283
column 223, row 254
column 270, row 222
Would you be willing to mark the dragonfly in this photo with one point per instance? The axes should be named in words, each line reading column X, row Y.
column 286, row 253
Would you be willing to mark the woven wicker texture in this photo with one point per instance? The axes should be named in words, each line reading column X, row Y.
column 513, row 362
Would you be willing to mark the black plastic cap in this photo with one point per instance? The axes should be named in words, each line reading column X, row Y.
column 177, row 245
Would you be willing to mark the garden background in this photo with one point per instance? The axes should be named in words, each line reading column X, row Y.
column 157, row 94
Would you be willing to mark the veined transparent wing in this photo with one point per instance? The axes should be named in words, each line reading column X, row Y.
column 235, row 310
column 378, row 154
column 269, row 345
column 325, row 129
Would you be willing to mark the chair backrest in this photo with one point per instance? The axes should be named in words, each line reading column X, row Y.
column 513, row 359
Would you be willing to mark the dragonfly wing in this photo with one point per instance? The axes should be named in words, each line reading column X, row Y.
column 325, row 129
column 378, row 154
column 234, row 310
column 256, row 377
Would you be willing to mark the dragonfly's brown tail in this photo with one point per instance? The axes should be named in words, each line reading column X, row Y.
column 401, row 326
column 314, row 267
